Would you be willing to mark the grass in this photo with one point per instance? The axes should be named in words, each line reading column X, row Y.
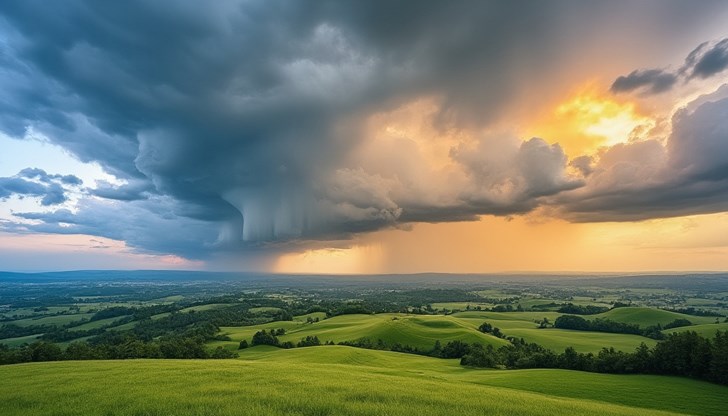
column 206, row 307
column 97, row 324
column 52, row 320
column 420, row 331
column 649, row 316
column 18, row 341
column 705, row 330
column 21, row 312
column 263, row 309
column 337, row 381
column 522, row 325
column 313, row 315
column 460, row 305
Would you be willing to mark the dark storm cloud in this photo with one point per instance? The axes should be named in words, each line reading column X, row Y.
column 704, row 61
column 150, row 226
column 43, row 176
column 654, row 81
column 48, row 187
column 711, row 61
column 232, row 122
column 135, row 190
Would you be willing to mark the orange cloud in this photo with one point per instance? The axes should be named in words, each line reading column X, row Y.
column 588, row 120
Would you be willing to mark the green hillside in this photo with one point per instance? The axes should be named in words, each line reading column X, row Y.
column 421, row 331
column 338, row 381
column 649, row 316
column 522, row 325
column 705, row 330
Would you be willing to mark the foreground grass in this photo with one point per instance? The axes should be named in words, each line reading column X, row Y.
column 261, row 388
column 336, row 381
column 654, row 392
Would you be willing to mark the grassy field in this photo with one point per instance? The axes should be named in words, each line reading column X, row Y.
column 98, row 323
column 206, row 307
column 522, row 325
column 16, row 342
column 313, row 315
column 419, row 331
column 338, row 381
column 52, row 320
column 649, row 316
column 705, row 330
column 21, row 312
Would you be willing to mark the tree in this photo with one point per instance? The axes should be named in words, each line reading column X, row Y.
column 436, row 349
column 45, row 351
column 480, row 357
column 455, row 349
column 265, row 338
column 309, row 341
column 221, row 353
column 243, row 345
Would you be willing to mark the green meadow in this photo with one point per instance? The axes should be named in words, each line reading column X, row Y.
column 338, row 380
column 53, row 319
column 705, row 330
column 649, row 316
column 420, row 331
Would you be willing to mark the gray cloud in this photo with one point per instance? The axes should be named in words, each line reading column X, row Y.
column 50, row 187
column 653, row 81
column 702, row 62
column 234, row 123
column 711, row 61
column 132, row 191
column 648, row 179
column 43, row 176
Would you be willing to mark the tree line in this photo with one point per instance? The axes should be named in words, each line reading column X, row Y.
column 606, row 325
column 684, row 354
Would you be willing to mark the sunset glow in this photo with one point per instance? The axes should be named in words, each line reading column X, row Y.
column 569, row 137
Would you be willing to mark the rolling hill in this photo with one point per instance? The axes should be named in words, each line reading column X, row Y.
column 420, row 331
column 338, row 380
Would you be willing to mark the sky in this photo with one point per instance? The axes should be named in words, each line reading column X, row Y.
column 364, row 137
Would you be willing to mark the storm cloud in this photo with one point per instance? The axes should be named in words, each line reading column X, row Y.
column 704, row 61
column 235, row 126
column 688, row 174
column 50, row 188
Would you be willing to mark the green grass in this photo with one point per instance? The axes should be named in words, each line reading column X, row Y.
column 263, row 309
column 313, row 315
column 420, row 331
column 656, row 392
column 18, row 341
column 522, row 325
column 207, row 307
column 52, row 320
column 21, row 312
column 648, row 316
column 337, row 381
column 97, row 324
column 459, row 305
column 705, row 330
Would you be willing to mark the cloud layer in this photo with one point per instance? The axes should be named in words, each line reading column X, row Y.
column 705, row 61
column 240, row 125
